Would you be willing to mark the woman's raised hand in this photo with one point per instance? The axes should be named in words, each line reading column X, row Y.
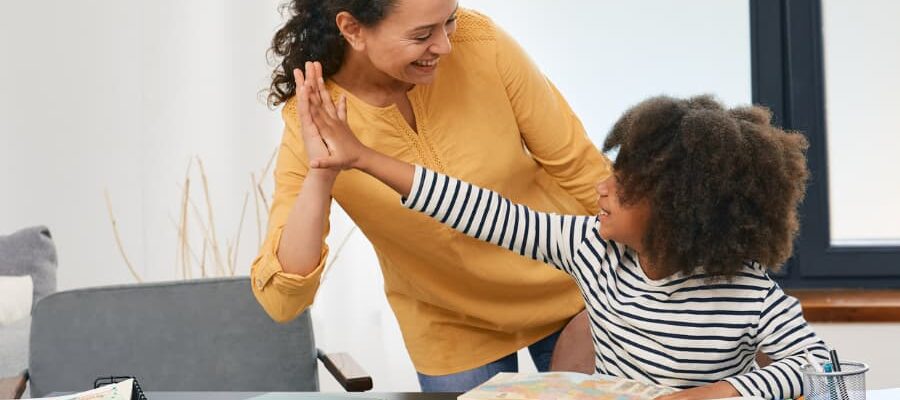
column 344, row 150
column 305, row 83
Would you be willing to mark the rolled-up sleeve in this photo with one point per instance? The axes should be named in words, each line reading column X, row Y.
column 283, row 295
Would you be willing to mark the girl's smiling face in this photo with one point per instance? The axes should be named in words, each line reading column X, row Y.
column 626, row 224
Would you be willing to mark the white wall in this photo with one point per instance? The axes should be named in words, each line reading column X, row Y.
column 120, row 95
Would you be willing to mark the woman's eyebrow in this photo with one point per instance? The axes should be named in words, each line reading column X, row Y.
column 418, row 28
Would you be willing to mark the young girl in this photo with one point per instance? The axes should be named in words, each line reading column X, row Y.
column 673, row 269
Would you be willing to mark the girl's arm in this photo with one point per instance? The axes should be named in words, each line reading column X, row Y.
column 488, row 216
column 474, row 211
column 784, row 336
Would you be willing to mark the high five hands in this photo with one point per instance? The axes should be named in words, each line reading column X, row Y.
column 329, row 140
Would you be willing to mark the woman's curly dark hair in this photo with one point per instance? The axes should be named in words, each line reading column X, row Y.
column 311, row 34
column 723, row 184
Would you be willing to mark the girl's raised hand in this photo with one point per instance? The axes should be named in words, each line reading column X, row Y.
column 344, row 149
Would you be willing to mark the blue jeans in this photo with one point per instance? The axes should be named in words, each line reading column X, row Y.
column 541, row 352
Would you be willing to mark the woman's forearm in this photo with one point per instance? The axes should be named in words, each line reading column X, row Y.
column 300, row 249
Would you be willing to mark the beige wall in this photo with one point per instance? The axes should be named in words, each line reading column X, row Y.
column 875, row 344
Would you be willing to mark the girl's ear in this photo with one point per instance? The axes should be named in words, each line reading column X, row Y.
column 351, row 30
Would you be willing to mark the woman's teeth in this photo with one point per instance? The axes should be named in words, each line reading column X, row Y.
column 604, row 212
column 429, row 63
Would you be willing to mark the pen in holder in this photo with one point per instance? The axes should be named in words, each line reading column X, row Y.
column 849, row 383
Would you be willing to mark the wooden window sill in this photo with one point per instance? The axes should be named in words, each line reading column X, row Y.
column 849, row 305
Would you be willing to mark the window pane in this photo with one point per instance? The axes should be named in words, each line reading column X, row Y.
column 861, row 42
column 605, row 56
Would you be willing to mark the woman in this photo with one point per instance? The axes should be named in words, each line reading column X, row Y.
column 482, row 112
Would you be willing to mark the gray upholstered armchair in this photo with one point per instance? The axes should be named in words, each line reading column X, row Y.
column 28, row 253
column 201, row 335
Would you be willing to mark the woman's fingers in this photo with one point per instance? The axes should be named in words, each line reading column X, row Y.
column 307, row 126
column 299, row 85
column 324, row 95
column 310, row 84
column 298, row 78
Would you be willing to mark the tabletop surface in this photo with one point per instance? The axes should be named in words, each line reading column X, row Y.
column 297, row 395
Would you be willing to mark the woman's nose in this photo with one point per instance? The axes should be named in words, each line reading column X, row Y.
column 442, row 45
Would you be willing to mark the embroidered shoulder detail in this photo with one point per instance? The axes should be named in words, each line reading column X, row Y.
column 290, row 106
column 472, row 26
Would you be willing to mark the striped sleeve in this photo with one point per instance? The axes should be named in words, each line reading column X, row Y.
column 783, row 335
column 487, row 216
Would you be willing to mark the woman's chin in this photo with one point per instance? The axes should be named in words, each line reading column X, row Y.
column 417, row 76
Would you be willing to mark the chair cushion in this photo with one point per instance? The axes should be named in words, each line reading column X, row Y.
column 30, row 251
column 15, row 320
column 14, row 347
column 15, row 303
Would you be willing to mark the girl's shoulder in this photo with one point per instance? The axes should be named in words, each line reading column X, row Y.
column 754, row 273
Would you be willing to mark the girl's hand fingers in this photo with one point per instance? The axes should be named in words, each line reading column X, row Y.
column 324, row 95
column 316, row 115
column 324, row 122
column 324, row 119
column 323, row 163
column 342, row 108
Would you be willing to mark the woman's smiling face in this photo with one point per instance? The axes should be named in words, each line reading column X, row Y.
column 408, row 44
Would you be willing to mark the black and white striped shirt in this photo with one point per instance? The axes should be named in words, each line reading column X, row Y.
column 680, row 331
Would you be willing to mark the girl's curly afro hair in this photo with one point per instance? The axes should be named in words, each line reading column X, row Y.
column 723, row 184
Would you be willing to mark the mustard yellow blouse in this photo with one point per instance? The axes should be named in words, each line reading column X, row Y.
column 491, row 118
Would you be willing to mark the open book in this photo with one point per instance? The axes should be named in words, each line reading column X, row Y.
column 115, row 391
column 563, row 386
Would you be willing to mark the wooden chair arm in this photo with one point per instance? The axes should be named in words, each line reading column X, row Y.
column 13, row 387
column 346, row 371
